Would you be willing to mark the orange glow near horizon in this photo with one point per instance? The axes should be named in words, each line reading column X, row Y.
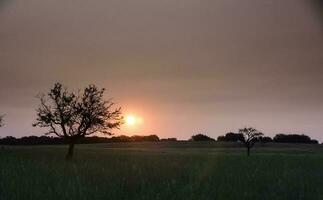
column 133, row 120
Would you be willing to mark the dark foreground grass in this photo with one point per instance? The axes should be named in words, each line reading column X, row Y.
column 138, row 173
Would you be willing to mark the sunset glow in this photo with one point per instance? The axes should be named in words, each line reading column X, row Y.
column 132, row 120
column 214, row 67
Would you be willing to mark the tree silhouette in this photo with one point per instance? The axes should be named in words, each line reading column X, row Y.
column 201, row 137
column 231, row 137
column 74, row 116
column 250, row 137
column 294, row 138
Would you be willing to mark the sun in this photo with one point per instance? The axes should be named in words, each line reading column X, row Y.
column 132, row 120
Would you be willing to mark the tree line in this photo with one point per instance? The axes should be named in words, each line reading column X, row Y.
column 229, row 137
column 50, row 140
column 279, row 138
column 250, row 136
column 73, row 117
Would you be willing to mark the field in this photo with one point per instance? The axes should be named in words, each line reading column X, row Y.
column 152, row 171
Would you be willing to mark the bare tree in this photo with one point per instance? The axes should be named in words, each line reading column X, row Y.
column 73, row 116
column 250, row 137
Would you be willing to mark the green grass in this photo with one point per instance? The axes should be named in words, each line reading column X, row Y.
column 162, row 171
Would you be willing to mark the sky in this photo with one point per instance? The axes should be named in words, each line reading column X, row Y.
column 183, row 66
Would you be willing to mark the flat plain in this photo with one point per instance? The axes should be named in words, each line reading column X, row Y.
column 163, row 170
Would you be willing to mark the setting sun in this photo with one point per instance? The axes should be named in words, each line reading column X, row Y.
column 133, row 120
column 130, row 120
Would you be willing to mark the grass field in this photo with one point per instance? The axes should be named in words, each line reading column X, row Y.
column 162, row 171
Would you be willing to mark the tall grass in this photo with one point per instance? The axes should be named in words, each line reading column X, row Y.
column 104, row 173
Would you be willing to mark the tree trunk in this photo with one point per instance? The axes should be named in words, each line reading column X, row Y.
column 248, row 151
column 69, row 154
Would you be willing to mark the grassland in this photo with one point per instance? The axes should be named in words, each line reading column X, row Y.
column 162, row 171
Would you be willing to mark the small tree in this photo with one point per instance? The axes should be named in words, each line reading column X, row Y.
column 74, row 116
column 250, row 137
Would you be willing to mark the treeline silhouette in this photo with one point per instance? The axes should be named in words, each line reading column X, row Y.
column 229, row 137
column 201, row 137
column 279, row 138
column 294, row 138
column 49, row 140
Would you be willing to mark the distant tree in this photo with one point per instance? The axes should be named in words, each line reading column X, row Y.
column 294, row 138
column 169, row 140
column 74, row 116
column 231, row 137
column 121, row 138
column 250, row 137
column 149, row 138
column 9, row 140
column 265, row 139
column 201, row 137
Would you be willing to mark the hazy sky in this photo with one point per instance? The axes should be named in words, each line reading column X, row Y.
column 184, row 66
